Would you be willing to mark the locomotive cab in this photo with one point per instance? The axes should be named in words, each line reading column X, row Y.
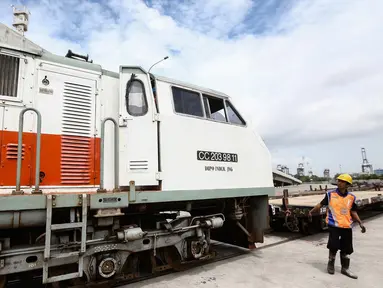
column 175, row 136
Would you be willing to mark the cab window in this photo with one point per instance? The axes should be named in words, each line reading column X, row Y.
column 136, row 99
column 215, row 108
column 233, row 115
column 187, row 102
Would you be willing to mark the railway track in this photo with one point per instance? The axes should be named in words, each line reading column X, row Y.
column 220, row 252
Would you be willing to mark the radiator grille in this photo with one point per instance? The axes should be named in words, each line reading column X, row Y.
column 77, row 110
column 11, row 152
column 9, row 75
column 76, row 131
column 75, row 160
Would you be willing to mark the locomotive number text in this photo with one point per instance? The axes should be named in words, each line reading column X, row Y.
column 216, row 156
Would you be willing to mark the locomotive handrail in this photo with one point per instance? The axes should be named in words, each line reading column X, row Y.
column 116, row 159
column 19, row 150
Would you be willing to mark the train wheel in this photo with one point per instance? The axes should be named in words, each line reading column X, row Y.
column 292, row 223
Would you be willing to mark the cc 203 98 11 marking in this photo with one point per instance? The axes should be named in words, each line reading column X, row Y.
column 216, row 156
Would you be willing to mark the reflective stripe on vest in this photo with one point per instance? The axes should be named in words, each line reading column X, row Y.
column 339, row 207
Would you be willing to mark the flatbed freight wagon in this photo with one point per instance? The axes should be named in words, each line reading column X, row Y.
column 291, row 213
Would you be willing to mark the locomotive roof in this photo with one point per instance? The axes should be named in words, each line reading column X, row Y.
column 13, row 40
column 192, row 86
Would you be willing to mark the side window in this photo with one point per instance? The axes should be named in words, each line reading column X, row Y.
column 187, row 102
column 214, row 108
column 9, row 75
column 233, row 115
column 136, row 103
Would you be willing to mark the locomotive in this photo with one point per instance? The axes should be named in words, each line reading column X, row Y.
column 106, row 175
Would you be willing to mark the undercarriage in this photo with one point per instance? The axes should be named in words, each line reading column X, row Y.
column 87, row 243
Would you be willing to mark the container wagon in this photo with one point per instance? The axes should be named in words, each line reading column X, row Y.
column 106, row 175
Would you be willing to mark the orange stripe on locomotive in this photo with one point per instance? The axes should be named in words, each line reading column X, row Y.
column 65, row 160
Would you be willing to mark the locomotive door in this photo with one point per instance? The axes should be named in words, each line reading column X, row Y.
column 138, row 130
column 66, row 99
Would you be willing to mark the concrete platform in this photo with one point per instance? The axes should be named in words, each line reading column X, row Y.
column 298, row 263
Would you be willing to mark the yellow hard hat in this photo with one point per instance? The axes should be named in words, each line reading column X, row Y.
column 345, row 177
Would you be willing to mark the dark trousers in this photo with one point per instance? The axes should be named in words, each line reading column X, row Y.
column 340, row 239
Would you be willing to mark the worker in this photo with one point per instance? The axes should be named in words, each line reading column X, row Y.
column 341, row 213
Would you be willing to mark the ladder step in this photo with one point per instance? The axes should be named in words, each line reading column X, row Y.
column 66, row 226
column 49, row 227
column 63, row 277
column 66, row 255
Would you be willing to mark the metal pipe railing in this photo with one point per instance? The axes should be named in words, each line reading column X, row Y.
column 116, row 151
column 19, row 150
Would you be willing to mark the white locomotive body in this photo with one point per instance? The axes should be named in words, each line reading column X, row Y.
column 122, row 148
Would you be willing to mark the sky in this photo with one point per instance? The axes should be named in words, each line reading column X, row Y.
column 307, row 74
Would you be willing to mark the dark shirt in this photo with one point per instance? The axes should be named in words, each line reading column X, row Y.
column 324, row 201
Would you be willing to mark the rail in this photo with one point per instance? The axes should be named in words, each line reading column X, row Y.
column 116, row 159
column 19, row 151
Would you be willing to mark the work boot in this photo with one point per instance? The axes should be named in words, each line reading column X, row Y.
column 331, row 263
column 345, row 261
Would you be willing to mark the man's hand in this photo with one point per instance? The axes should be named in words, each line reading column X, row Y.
column 355, row 216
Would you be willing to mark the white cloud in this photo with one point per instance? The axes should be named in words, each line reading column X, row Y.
column 314, row 78
column 215, row 17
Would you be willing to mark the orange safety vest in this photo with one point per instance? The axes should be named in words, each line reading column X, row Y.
column 339, row 207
